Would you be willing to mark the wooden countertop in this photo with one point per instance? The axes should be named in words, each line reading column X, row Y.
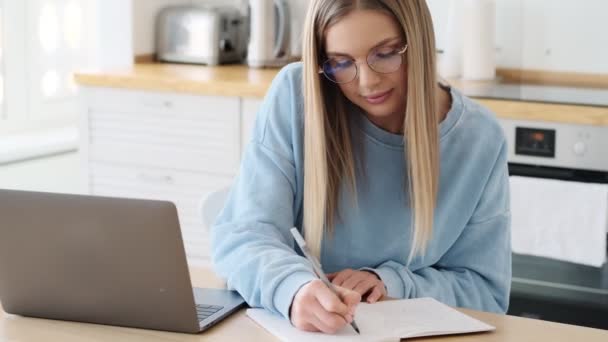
column 241, row 81
column 239, row 327
column 225, row 80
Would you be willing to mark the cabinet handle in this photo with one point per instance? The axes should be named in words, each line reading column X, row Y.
column 157, row 103
column 164, row 179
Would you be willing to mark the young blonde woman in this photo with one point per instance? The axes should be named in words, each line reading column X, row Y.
column 399, row 184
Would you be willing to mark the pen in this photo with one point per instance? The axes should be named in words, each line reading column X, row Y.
column 316, row 266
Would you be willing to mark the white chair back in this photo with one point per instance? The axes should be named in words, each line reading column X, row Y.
column 212, row 204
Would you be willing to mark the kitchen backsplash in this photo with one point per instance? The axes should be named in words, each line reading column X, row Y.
column 565, row 35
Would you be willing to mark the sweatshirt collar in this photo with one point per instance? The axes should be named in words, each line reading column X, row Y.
column 397, row 140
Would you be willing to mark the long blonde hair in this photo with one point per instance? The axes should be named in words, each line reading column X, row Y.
column 328, row 155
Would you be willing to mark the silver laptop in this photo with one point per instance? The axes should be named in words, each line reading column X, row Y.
column 103, row 260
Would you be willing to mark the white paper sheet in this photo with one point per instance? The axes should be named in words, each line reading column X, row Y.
column 384, row 321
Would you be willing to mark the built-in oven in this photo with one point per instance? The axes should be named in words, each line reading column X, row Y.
column 546, row 288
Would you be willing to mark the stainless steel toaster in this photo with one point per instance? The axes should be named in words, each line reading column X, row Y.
column 202, row 35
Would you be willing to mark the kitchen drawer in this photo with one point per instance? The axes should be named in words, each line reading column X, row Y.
column 185, row 189
column 195, row 133
column 152, row 102
column 220, row 160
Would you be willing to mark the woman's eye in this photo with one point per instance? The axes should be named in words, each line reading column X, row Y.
column 386, row 52
column 340, row 64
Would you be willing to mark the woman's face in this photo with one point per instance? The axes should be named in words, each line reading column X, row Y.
column 364, row 33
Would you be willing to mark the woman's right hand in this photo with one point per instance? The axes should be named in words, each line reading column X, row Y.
column 316, row 308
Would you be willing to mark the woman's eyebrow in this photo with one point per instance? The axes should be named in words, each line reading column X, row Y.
column 384, row 41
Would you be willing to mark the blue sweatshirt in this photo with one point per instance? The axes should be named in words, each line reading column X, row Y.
column 468, row 260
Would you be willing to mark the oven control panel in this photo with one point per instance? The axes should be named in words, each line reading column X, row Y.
column 537, row 142
column 557, row 144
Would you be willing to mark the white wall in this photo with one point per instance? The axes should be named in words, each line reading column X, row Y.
column 111, row 26
column 553, row 35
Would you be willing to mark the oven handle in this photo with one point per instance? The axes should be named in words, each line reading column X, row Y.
column 575, row 175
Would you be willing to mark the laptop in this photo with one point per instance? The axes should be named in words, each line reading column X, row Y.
column 104, row 260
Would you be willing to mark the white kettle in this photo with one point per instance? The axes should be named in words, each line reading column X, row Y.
column 269, row 33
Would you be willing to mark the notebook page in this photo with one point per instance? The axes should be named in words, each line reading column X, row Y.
column 284, row 331
column 415, row 317
column 383, row 321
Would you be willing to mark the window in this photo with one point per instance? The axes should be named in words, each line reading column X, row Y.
column 55, row 50
column 41, row 45
column 2, row 111
column 44, row 44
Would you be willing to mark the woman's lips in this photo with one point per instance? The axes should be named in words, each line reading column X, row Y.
column 378, row 98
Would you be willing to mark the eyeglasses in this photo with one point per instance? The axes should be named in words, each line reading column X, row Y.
column 383, row 60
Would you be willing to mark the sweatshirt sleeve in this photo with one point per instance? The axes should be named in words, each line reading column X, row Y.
column 476, row 271
column 252, row 247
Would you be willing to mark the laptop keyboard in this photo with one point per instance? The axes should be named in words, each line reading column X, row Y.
column 203, row 311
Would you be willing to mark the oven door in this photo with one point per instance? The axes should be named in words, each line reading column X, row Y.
column 556, row 290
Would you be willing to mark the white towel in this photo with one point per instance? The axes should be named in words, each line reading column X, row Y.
column 559, row 219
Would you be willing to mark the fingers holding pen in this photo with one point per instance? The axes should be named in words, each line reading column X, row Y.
column 317, row 308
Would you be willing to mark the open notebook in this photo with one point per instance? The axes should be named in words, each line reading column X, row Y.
column 383, row 321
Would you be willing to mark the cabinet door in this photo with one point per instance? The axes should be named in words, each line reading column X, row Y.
column 250, row 109
column 185, row 189
column 184, row 132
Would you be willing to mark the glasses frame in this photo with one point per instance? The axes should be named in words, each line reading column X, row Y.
column 399, row 52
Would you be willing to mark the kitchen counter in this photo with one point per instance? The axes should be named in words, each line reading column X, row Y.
column 226, row 80
column 241, row 81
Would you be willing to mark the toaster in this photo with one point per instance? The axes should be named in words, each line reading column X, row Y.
column 201, row 35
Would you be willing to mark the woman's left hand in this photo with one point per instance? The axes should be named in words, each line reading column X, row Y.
column 366, row 283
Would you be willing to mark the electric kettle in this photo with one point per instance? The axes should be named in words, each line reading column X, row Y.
column 269, row 33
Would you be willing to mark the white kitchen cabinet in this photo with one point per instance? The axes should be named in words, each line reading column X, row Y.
column 164, row 130
column 183, row 188
column 166, row 146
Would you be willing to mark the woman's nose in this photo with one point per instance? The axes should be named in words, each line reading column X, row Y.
column 368, row 78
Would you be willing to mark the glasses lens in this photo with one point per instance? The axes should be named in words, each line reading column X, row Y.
column 340, row 70
column 385, row 60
